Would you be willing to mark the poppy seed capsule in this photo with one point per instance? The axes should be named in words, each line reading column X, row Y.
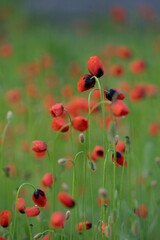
column 81, row 138
column 95, row 66
column 86, row 82
column 39, row 198
column 67, row 216
column 102, row 192
column 66, row 200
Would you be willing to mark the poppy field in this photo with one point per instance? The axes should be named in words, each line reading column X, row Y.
column 79, row 126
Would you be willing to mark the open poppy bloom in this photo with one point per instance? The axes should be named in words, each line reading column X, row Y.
column 118, row 14
column 114, row 94
column 47, row 237
column 86, row 82
column 137, row 66
column 98, row 151
column 120, row 147
column 39, row 146
column 57, row 110
column 20, row 205
column 32, row 211
column 39, row 198
column 95, row 67
column 117, row 70
column 123, row 52
column 119, row 159
column 154, row 128
column 66, row 200
column 59, row 123
column 84, row 225
column 119, row 109
column 141, row 211
column 80, row 123
column 5, row 218
column 57, row 220
column 47, row 180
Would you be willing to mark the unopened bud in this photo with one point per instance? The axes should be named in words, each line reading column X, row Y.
column 135, row 228
column 65, row 187
column 157, row 160
column 154, row 183
column 102, row 192
column 81, row 138
column 93, row 165
column 114, row 216
column 108, row 231
column 116, row 139
column 38, row 236
column 62, row 161
column 68, row 213
column 127, row 140
column 9, row 115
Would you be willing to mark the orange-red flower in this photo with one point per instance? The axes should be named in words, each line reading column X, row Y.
column 66, row 199
column 154, row 128
column 47, row 180
column 59, row 123
column 100, row 200
column 117, row 70
column 119, row 159
column 141, row 211
column 98, row 151
column 114, row 93
column 32, row 211
column 57, row 220
column 57, row 110
column 6, row 50
column 39, row 198
column 102, row 227
column 80, row 123
column 137, row 66
column 119, row 109
column 39, row 146
column 5, row 218
column 123, row 52
column 47, row 237
column 118, row 14
column 2, row 238
column 95, row 66
column 21, row 205
column 120, row 147
column 84, row 225
column 86, row 82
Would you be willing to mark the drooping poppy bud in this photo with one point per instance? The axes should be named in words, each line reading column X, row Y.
column 47, row 180
column 39, row 146
column 98, row 151
column 84, row 225
column 86, row 82
column 5, row 218
column 119, row 159
column 119, row 109
column 95, row 67
column 80, row 123
column 59, row 123
column 32, row 211
column 120, row 147
column 57, row 220
column 141, row 211
column 21, row 205
column 39, row 198
column 66, row 200
column 57, row 110
column 114, row 94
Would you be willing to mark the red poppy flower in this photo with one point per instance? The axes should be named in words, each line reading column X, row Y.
column 47, row 180
column 99, row 151
column 57, row 220
column 141, row 211
column 119, row 109
column 57, row 110
column 154, row 128
column 80, row 123
column 31, row 90
column 114, row 94
column 84, row 225
column 39, row 146
column 119, row 159
column 67, row 91
column 102, row 227
column 137, row 66
column 117, row 70
column 95, row 67
column 39, row 198
column 13, row 95
column 100, row 200
column 66, row 199
column 47, row 237
column 118, row 14
column 5, row 218
column 137, row 93
column 21, row 205
column 2, row 238
column 40, row 155
column 120, row 147
column 123, row 52
column 32, row 211
column 85, row 82
column 6, row 50
column 58, row 123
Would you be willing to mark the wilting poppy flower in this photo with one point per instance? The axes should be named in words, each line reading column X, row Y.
column 119, row 159
column 80, row 123
column 114, row 94
column 95, row 67
column 57, row 110
column 47, row 180
column 86, row 82
column 116, row 70
column 141, row 211
column 39, row 198
column 57, row 220
column 66, row 199
column 123, row 52
column 39, row 146
column 58, row 123
column 118, row 14
column 5, row 218
column 21, row 205
column 84, row 225
column 119, row 109
column 120, row 147
column 32, row 211
column 137, row 66
column 98, row 151
column 154, row 128
column 103, row 228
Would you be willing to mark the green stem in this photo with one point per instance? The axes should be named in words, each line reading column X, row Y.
column 29, row 228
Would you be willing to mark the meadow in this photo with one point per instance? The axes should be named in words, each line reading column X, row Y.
column 79, row 163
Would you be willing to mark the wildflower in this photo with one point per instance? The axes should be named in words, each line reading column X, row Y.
column 57, row 220
column 2, row 238
column 21, row 205
column 47, row 237
column 119, row 109
column 80, row 123
column 123, row 52
column 98, row 151
column 57, row 110
column 6, row 50
column 137, row 66
column 83, row 225
column 66, row 200
column 39, row 198
column 103, row 228
column 5, row 218
column 102, row 192
column 39, row 146
column 59, row 123
column 119, row 159
column 141, row 211
column 13, row 95
column 32, row 211
column 86, row 82
column 120, row 147
column 154, row 128
column 114, row 94
column 100, row 200
column 117, row 70
column 118, row 14
column 95, row 67
column 47, row 180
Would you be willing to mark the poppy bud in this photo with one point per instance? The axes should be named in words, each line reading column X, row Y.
column 21, row 205
column 9, row 116
column 102, row 192
column 66, row 199
column 65, row 187
column 47, row 180
column 92, row 166
column 95, row 66
column 86, row 82
column 81, row 138
column 57, row 110
column 154, row 183
column 38, row 236
column 119, row 109
column 67, row 216
column 39, row 198
column 80, row 123
column 114, row 94
column 116, row 139
column 59, row 123
column 62, row 161
column 84, row 225
column 5, row 218
column 119, row 159
column 32, row 211
column 39, row 146
column 157, row 160
column 57, row 220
